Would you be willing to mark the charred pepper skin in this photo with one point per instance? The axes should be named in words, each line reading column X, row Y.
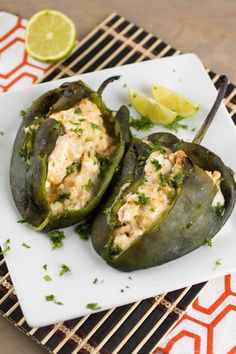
column 171, row 236
column 28, row 173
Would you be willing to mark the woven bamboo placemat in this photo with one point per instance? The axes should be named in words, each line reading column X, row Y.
column 137, row 327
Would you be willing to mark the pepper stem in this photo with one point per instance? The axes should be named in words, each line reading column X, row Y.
column 221, row 92
column 105, row 83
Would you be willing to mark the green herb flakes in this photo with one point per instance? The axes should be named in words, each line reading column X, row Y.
column 25, row 245
column 103, row 160
column 53, row 299
column 141, row 124
column 57, row 237
column 7, row 247
column 62, row 197
column 93, row 306
column 45, row 267
column 47, row 277
column 22, row 114
column 64, row 269
column 217, row 263
column 142, row 199
column 157, row 146
column 77, row 110
column 208, row 242
column 175, row 125
column 189, row 225
column 141, row 160
column 179, row 179
column 83, row 231
column 156, row 164
column 220, row 209
column 95, row 126
column 113, row 249
column 70, row 169
column 89, row 185
column 57, row 125
column 21, row 221
column 1, row 133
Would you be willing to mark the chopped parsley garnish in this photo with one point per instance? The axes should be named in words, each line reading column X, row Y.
column 77, row 110
column 103, row 160
column 220, row 209
column 141, row 160
column 142, row 199
column 53, row 299
column 96, row 281
column 141, row 124
column 57, row 125
column 1, row 133
column 217, row 263
column 23, row 153
column 175, row 125
column 21, row 221
column 56, row 237
column 89, row 185
column 95, row 126
column 64, row 269
column 83, row 230
column 25, row 245
column 130, row 278
column 193, row 129
column 122, row 290
column 113, row 249
column 93, row 306
column 62, row 197
column 125, row 85
column 129, row 104
column 70, row 169
column 7, row 247
column 156, row 164
column 179, row 179
column 78, row 131
column 111, row 217
column 45, row 267
column 170, row 194
column 23, row 114
column 157, row 146
column 189, row 225
column 47, row 277
column 208, row 242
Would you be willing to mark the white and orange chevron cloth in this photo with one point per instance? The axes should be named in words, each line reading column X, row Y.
column 209, row 325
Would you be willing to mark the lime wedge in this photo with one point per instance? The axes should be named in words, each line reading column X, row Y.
column 183, row 106
column 50, row 36
column 151, row 109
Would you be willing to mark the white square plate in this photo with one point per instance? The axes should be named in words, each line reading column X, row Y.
column 184, row 74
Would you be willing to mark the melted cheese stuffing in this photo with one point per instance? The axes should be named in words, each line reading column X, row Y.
column 141, row 209
column 73, row 166
column 216, row 178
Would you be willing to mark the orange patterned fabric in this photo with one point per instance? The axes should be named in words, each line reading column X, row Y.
column 209, row 325
column 17, row 69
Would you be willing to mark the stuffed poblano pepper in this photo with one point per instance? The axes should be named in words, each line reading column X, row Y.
column 168, row 198
column 65, row 153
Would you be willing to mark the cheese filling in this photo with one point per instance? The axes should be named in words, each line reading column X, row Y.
column 75, row 163
column 140, row 210
column 163, row 176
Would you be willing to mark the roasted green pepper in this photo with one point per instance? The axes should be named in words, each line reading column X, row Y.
column 190, row 201
column 57, row 120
